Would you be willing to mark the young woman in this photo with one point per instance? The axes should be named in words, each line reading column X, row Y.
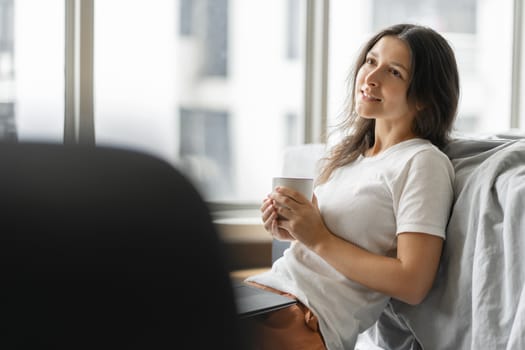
column 375, row 227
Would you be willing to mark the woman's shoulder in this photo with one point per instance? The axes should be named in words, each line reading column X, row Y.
column 430, row 158
column 422, row 153
column 429, row 150
column 417, row 147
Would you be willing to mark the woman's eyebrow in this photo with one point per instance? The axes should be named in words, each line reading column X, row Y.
column 393, row 63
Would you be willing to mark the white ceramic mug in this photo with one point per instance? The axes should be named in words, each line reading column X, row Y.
column 305, row 185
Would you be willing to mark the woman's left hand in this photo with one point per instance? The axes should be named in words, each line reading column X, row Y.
column 299, row 216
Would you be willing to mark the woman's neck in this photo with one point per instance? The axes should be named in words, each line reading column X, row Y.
column 384, row 141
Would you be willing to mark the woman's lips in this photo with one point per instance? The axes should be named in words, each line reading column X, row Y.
column 369, row 97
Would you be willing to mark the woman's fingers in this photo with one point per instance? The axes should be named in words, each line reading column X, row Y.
column 290, row 196
column 273, row 215
column 268, row 214
column 266, row 202
column 266, row 208
column 286, row 200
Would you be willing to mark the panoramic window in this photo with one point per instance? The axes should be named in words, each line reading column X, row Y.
column 217, row 87
column 207, row 85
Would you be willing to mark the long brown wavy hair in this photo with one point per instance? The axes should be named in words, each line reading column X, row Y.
column 434, row 84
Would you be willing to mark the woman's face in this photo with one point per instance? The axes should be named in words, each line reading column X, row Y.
column 382, row 83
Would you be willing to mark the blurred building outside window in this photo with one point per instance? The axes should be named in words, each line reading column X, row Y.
column 216, row 87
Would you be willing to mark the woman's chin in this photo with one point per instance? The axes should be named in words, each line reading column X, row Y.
column 365, row 116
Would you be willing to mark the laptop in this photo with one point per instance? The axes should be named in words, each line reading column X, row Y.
column 252, row 301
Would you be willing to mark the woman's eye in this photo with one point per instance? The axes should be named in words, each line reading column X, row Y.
column 395, row 73
column 369, row 61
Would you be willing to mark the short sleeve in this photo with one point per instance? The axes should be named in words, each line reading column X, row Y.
column 425, row 194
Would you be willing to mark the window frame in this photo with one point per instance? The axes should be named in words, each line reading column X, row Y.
column 79, row 123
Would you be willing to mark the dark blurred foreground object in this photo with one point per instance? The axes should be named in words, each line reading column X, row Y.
column 107, row 248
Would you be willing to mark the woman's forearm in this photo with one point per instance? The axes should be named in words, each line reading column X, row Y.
column 407, row 277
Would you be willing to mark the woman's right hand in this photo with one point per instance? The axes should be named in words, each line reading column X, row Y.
column 271, row 221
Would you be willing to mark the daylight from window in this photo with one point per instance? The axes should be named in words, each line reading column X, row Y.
column 216, row 87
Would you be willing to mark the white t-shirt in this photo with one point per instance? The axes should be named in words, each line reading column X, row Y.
column 406, row 188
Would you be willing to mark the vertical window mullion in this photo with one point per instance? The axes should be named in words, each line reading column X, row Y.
column 316, row 70
column 79, row 109
column 517, row 62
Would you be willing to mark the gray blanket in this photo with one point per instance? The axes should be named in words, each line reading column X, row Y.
column 478, row 299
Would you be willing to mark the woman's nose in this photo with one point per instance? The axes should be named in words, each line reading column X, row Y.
column 372, row 78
